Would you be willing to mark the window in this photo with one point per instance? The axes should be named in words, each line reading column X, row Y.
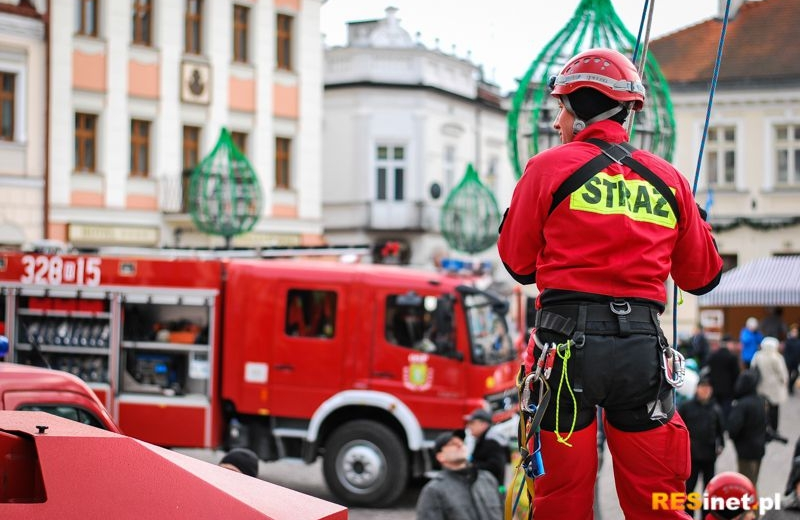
column 419, row 323
column 73, row 413
column 86, row 17
column 283, row 163
column 191, row 147
column 140, row 148
column 85, row 142
column 491, row 173
column 787, row 160
column 311, row 314
column 7, row 85
column 449, row 167
column 240, row 18
column 390, row 167
column 721, row 157
column 191, row 157
column 142, row 22
column 194, row 27
column 284, row 44
column 240, row 140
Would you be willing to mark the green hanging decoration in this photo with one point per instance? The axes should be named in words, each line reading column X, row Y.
column 225, row 196
column 595, row 23
column 470, row 217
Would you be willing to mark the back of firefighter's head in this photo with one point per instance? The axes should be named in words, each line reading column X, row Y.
column 730, row 487
column 598, row 84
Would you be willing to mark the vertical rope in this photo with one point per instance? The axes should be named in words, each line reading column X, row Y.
column 713, row 88
column 643, row 58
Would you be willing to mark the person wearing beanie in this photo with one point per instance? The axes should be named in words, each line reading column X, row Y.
column 460, row 491
column 490, row 452
column 704, row 421
column 241, row 460
column 599, row 226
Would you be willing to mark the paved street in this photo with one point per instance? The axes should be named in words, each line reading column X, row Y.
column 308, row 479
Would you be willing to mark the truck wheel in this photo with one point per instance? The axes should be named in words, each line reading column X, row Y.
column 365, row 464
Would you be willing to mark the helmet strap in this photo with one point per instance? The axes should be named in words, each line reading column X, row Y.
column 579, row 124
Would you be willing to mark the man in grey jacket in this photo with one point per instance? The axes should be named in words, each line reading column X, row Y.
column 460, row 491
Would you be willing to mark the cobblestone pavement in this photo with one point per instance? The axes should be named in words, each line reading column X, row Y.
column 308, row 479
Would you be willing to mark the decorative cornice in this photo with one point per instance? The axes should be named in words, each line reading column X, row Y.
column 14, row 24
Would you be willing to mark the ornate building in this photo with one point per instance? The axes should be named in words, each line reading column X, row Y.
column 139, row 93
column 401, row 123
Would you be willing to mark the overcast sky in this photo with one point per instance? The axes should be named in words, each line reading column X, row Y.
column 504, row 36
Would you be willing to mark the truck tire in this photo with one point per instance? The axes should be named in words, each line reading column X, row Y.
column 365, row 464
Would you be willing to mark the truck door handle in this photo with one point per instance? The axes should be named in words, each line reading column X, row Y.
column 384, row 375
column 285, row 368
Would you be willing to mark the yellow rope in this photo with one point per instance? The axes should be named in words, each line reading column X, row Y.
column 565, row 379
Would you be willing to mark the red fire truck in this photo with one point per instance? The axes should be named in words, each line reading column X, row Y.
column 360, row 364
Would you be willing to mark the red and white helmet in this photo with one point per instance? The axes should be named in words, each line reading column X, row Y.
column 604, row 70
column 727, row 485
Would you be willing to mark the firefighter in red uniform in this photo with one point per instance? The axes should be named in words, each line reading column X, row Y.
column 599, row 226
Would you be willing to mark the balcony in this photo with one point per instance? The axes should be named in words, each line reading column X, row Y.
column 382, row 216
column 174, row 193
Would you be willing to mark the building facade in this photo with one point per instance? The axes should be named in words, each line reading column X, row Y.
column 749, row 179
column 140, row 91
column 22, row 121
column 401, row 123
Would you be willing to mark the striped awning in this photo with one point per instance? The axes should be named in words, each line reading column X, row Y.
column 773, row 281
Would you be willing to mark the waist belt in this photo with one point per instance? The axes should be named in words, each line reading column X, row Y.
column 616, row 318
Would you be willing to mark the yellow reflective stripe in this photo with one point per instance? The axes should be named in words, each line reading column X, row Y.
column 615, row 195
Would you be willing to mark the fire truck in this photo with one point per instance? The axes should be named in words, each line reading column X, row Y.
column 360, row 364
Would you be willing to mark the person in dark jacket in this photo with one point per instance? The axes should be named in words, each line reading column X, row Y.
column 460, row 491
column 747, row 425
column 488, row 453
column 791, row 354
column 723, row 369
column 790, row 504
column 703, row 419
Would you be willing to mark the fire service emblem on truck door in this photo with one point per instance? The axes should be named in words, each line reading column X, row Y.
column 417, row 375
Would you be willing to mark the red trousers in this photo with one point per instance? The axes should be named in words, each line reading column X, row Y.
column 653, row 461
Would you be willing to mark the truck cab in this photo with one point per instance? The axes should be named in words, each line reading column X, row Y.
column 362, row 365
column 31, row 388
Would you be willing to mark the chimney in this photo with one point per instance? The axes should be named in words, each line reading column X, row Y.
column 735, row 6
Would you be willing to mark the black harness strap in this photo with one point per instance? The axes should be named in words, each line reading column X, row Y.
column 619, row 153
column 579, row 178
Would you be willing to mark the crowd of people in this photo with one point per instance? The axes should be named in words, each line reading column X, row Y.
column 742, row 385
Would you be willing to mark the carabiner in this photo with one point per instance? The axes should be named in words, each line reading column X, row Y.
column 676, row 373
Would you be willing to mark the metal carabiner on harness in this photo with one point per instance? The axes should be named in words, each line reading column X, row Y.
column 674, row 366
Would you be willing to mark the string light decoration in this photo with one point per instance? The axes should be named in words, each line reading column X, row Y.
column 470, row 217
column 595, row 23
column 225, row 197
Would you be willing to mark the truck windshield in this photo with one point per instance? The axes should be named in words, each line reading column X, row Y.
column 489, row 337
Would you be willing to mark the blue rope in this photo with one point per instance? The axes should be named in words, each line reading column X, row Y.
column 639, row 36
column 702, row 149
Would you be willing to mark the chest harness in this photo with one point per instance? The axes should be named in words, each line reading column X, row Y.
column 630, row 319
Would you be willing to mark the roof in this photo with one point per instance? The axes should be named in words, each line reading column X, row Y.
column 759, row 46
column 773, row 281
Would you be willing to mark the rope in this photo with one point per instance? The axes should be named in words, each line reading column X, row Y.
column 645, row 45
column 565, row 379
column 711, row 91
column 639, row 34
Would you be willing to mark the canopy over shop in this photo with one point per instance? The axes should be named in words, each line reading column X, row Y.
column 756, row 289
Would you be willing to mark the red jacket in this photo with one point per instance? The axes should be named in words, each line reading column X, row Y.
column 615, row 236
